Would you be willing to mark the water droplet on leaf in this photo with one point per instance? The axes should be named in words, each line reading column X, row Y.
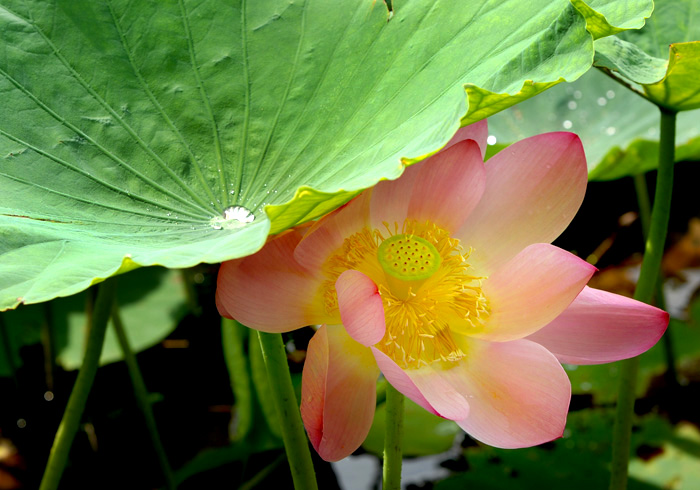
column 233, row 217
column 238, row 213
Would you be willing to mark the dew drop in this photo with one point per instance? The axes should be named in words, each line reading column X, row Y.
column 578, row 94
column 567, row 124
column 238, row 213
column 610, row 131
column 610, row 94
column 602, row 101
column 233, row 217
column 572, row 105
column 491, row 140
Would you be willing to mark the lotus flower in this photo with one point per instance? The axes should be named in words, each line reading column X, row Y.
column 445, row 281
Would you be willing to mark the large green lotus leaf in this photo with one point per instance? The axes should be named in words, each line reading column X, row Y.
column 629, row 61
column 602, row 17
column 606, row 17
column 674, row 23
column 619, row 129
column 151, row 302
column 128, row 128
column 680, row 88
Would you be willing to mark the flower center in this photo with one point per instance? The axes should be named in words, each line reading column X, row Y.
column 408, row 261
column 427, row 290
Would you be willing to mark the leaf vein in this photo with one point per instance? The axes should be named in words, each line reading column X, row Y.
column 117, row 117
column 88, row 175
column 272, row 165
column 246, row 110
column 273, row 127
column 161, row 110
column 207, row 104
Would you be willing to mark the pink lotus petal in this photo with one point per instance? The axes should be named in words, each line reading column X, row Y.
column 530, row 291
column 478, row 131
column 602, row 327
column 425, row 387
column 533, row 189
column 338, row 392
column 390, row 198
column 518, row 393
column 270, row 291
column 220, row 306
column 453, row 186
column 450, row 186
column 328, row 233
column 361, row 308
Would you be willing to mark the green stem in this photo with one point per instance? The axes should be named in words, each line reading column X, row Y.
column 78, row 397
column 393, row 436
column 646, row 286
column 661, row 213
column 233, row 337
column 285, row 400
column 263, row 389
column 141, row 395
column 644, row 203
column 640, row 186
column 669, row 352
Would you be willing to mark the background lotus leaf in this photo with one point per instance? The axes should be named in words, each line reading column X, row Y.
column 672, row 34
column 151, row 301
column 619, row 129
column 584, row 449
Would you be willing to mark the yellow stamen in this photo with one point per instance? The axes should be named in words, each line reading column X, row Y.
column 419, row 306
